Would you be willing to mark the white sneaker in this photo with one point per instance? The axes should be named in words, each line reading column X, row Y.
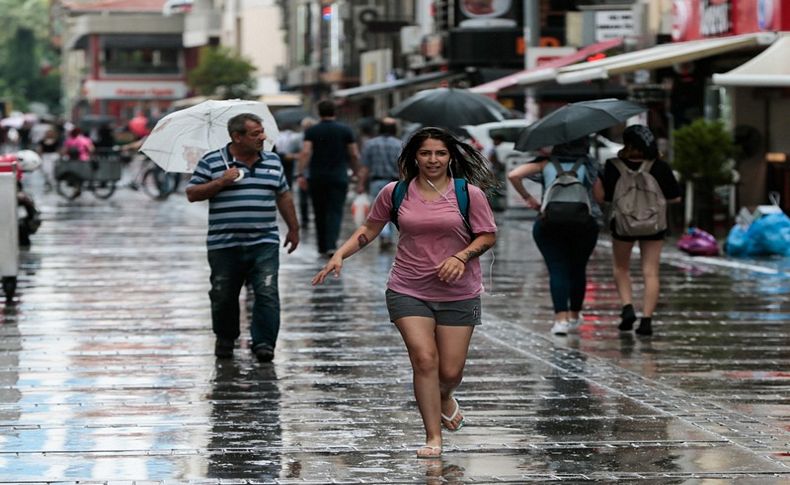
column 575, row 323
column 560, row 327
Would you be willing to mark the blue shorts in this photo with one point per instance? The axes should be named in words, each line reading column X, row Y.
column 461, row 313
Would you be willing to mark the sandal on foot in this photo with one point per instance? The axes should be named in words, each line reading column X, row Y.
column 429, row 451
column 447, row 421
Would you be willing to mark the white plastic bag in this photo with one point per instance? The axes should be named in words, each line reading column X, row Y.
column 360, row 208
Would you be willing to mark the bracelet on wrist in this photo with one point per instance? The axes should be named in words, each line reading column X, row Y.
column 459, row 259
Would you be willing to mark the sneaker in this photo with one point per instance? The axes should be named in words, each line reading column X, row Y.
column 263, row 352
column 574, row 324
column 560, row 327
column 223, row 348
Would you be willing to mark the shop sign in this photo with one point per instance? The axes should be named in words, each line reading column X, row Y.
column 99, row 89
column 476, row 14
column 715, row 17
column 613, row 24
column 697, row 19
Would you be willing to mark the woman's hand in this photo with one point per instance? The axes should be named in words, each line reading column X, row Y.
column 451, row 269
column 532, row 202
column 332, row 266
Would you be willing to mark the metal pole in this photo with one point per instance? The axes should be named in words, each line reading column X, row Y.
column 531, row 39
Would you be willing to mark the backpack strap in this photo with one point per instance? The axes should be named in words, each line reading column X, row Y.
column 462, row 196
column 398, row 193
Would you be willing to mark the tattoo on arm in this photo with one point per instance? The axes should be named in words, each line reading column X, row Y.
column 362, row 240
column 473, row 253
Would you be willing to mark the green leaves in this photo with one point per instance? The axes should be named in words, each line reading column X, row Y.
column 222, row 72
column 703, row 151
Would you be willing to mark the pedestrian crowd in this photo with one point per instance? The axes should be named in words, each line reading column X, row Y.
column 434, row 188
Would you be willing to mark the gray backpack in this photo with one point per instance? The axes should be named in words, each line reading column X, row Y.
column 566, row 203
column 639, row 207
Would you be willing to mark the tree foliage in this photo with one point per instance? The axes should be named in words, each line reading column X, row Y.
column 24, row 50
column 703, row 151
column 221, row 72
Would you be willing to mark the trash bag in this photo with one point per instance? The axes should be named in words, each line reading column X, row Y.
column 697, row 242
column 737, row 243
column 770, row 234
column 360, row 208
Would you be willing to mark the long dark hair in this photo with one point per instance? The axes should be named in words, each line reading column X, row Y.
column 465, row 161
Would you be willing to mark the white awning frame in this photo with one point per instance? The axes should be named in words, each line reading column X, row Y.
column 385, row 87
column 660, row 56
column 771, row 68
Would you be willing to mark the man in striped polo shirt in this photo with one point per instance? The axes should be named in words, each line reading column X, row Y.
column 243, row 241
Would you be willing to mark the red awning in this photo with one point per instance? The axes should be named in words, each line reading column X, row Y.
column 493, row 87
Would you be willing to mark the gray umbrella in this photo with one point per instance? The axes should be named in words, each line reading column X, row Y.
column 576, row 120
column 449, row 108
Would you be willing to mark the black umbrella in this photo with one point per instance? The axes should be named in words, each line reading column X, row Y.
column 449, row 107
column 576, row 120
column 290, row 117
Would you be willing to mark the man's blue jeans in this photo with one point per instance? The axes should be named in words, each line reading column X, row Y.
column 230, row 269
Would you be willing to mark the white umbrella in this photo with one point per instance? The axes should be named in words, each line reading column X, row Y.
column 180, row 139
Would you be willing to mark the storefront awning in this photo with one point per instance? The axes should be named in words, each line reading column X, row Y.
column 544, row 71
column 371, row 89
column 771, row 68
column 660, row 56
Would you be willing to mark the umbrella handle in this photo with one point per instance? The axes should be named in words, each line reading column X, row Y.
column 227, row 165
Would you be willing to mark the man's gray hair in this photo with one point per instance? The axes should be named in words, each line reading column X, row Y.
column 238, row 124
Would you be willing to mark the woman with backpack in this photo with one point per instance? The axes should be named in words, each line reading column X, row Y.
column 639, row 185
column 567, row 229
column 434, row 287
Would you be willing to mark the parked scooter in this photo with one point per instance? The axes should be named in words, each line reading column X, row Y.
column 29, row 217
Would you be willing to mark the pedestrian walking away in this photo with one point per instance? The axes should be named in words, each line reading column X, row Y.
column 633, row 182
column 243, row 239
column 328, row 150
column 380, row 166
column 434, row 286
column 566, row 230
column 294, row 150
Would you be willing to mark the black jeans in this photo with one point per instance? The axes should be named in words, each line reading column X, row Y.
column 230, row 269
column 329, row 200
column 566, row 254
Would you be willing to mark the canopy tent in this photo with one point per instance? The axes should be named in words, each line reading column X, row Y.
column 771, row 68
column 656, row 57
column 493, row 87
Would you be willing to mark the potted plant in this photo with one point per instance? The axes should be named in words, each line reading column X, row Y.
column 703, row 155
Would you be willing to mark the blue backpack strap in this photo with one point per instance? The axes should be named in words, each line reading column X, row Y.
column 398, row 193
column 462, row 195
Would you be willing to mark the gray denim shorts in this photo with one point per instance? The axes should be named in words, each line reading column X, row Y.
column 460, row 313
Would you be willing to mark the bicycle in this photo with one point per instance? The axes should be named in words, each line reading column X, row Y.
column 159, row 184
column 98, row 175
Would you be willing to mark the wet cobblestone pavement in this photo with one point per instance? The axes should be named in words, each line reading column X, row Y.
column 107, row 371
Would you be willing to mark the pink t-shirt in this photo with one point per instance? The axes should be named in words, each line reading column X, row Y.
column 430, row 232
column 82, row 144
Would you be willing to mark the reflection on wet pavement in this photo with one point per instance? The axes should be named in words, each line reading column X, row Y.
column 107, row 369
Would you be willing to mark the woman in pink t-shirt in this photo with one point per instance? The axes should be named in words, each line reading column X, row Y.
column 78, row 146
column 433, row 293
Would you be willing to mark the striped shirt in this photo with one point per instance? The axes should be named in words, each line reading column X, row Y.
column 245, row 212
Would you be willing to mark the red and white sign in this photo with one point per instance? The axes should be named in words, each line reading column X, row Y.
column 699, row 19
column 99, row 89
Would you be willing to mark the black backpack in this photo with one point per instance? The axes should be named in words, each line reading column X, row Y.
column 566, row 203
